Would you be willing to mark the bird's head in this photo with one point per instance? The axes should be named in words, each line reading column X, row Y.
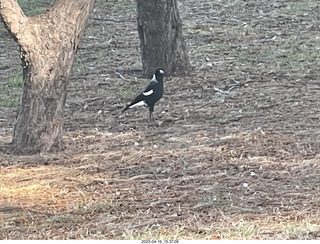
column 159, row 72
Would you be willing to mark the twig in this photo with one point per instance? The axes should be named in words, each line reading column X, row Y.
column 247, row 210
column 235, row 81
column 228, row 89
column 113, row 20
column 121, row 76
column 204, row 105
column 221, row 91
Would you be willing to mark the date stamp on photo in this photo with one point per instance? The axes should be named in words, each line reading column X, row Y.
column 159, row 241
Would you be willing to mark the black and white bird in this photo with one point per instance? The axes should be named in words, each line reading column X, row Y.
column 151, row 94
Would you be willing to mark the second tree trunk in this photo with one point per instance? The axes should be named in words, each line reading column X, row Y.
column 161, row 41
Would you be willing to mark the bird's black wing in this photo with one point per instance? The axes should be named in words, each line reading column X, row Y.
column 148, row 91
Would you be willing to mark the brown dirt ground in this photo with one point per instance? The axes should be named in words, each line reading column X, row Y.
column 242, row 164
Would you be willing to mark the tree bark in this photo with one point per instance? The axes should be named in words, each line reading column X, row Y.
column 47, row 43
column 161, row 41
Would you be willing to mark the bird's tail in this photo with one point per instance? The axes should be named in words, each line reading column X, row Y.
column 125, row 109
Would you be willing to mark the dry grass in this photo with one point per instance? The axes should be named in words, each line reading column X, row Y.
column 143, row 192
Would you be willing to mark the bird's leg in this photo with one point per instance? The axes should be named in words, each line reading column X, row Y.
column 150, row 116
column 151, row 108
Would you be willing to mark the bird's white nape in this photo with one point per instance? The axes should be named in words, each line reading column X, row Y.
column 154, row 79
column 148, row 93
column 138, row 104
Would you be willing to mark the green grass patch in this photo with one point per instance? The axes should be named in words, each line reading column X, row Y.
column 244, row 231
column 9, row 101
column 11, row 92
column 34, row 7
column 78, row 67
column 15, row 81
column 300, row 7
column 285, row 55
column 99, row 207
column 128, row 94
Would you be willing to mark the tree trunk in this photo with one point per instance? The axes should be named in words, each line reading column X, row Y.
column 161, row 41
column 47, row 43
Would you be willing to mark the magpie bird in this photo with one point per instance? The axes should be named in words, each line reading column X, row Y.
column 151, row 94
